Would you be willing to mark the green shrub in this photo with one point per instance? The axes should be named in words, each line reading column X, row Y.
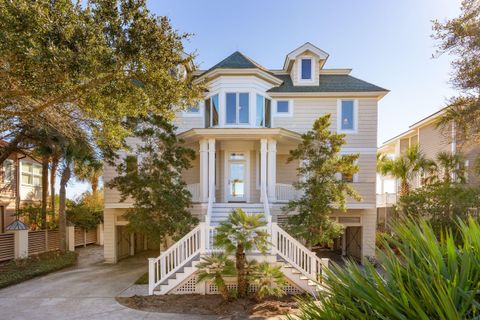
column 17, row 271
column 424, row 277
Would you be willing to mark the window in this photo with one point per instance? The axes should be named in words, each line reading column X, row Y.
column 193, row 109
column 237, row 156
column 306, row 69
column 347, row 116
column 260, row 117
column 283, row 106
column 211, row 111
column 8, row 170
column 31, row 174
column 347, row 177
column 237, row 108
column 268, row 113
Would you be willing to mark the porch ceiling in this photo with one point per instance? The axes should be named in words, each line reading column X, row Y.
column 279, row 134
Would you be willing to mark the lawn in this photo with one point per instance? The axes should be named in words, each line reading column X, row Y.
column 17, row 271
column 143, row 279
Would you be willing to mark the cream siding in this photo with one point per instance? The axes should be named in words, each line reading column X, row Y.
column 286, row 172
column 433, row 140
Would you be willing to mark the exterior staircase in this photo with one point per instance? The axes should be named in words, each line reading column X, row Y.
column 174, row 270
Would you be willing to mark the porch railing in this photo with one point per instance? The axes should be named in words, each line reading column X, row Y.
column 194, row 189
column 286, row 192
column 386, row 199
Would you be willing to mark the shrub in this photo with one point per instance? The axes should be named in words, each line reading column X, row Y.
column 269, row 280
column 214, row 268
column 17, row 271
column 426, row 277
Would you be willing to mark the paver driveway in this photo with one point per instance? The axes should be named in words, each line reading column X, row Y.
column 86, row 291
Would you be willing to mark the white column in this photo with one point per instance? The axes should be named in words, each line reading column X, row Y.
column 203, row 170
column 211, row 168
column 263, row 167
column 70, row 235
column 272, row 169
column 20, row 243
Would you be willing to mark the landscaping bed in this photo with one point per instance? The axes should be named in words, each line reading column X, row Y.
column 213, row 305
column 17, row 271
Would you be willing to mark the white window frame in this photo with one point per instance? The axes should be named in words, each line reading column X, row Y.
column 237, row 109
column 355, row 117
column 299, row 70
column 283, row 114
column 198, row 114
column 32, row 174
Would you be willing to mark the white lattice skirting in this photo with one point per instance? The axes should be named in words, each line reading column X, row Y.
column 190, row 286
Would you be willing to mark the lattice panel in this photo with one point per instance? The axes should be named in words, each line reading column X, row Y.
column 189, row 286
column 292, row 289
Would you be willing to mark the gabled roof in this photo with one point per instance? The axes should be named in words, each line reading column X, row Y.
column 237, row 60
column 328, row 83
column 307, row 46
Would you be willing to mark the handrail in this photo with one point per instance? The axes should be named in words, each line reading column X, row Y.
column 175, row 257
column 296, row 254
column 266, row 206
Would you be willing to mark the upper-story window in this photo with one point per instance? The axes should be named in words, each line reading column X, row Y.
column 31, row 174
column 263, row 114
column 193, row 109
column 306, row 69
column 212, row 109
column 237, row 108
column 8, row 171
column 347, row 116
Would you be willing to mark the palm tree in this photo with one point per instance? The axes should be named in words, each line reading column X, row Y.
column 450, row 167
column 90, row 172
column 241, row 233
column 269, row 280
column 214, row 268
column 406, row 167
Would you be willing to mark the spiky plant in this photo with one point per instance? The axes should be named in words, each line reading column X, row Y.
column 423, row 277
column 214, row 268
column 239, row 234
column 269, row 280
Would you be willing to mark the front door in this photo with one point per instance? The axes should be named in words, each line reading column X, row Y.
column 237, row 175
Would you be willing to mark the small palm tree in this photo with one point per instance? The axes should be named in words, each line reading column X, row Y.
column 405, row 167
column 269, row 280
column 451, row 167
column 241, row 233
column 89, row 172
column 214, row 268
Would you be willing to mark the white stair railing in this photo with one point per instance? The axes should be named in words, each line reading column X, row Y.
column 297, row 255
column 175, row 257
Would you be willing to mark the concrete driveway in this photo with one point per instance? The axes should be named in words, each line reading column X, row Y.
column 86, row 291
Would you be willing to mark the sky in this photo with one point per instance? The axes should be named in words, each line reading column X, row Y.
column 385, row 42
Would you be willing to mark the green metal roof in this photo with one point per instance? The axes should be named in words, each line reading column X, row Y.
column 328, row 83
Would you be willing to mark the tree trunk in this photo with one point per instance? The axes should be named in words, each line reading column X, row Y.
column 53, row 178
column 6, row 151
column 61, row 212
column 45, row 162
column 222, row 289
column 242, row 280
column 404, row 187
column 94, row 183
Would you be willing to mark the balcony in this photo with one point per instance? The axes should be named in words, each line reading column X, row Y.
column 386, row 199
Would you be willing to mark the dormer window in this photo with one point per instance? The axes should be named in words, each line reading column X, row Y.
column 306, row 69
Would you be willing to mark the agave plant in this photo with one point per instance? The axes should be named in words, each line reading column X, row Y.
column 214, row 268
column 424, row 277
column 269, row 280
column 241, row 233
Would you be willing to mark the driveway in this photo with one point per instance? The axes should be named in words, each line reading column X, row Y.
column 86, row 291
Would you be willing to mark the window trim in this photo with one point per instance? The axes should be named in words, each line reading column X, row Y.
column 355, row 116
column 284, row 114
column 237, row 109
column 312, row 72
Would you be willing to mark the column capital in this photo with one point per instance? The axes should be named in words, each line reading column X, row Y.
column 211, row 145
column 203, row 145
column 272, row 145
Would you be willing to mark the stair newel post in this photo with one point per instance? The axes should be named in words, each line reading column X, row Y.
column 273, row 236
column 151, row 275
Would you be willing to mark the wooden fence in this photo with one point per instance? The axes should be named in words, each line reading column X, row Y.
column 85, row 236
column 43, row 241
column 7, row 246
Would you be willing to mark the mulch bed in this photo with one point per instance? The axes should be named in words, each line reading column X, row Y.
column 212, row 305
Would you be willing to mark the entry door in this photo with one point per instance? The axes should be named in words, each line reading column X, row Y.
column 237, row 175
column 123, row 242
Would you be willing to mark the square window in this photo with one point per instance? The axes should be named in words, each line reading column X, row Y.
column 306, row 69
column 347, row 115
column 193, row 109
column 282, row 106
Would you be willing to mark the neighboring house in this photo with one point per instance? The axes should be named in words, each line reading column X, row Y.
column 18, row 167
column 251, row 118
column 432, row 139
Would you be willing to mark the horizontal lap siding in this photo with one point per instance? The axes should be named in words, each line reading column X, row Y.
column 286, row 172
column 7, row 246
column 433, row 140
column 366, row 179
column 186, row 123
column 192, row 175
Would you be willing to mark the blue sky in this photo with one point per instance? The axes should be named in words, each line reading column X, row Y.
column 385, row 42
